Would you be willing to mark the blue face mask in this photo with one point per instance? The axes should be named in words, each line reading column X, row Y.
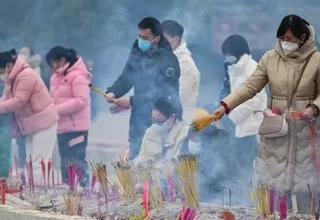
column 231, row 59
column 144, row 45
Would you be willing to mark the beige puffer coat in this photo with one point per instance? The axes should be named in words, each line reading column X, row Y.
column 286, row 162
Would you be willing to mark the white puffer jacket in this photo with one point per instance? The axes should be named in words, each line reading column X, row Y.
column 189, row 82
column 246, row 121
column 161, row 149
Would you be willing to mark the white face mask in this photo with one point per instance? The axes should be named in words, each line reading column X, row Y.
column 194, row 147
column 231, row 59
column 289, row 47
column 165, row 127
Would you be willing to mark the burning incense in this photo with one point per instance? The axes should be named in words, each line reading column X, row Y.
column 93, row 177
column 151, row 187
column 263, row 201
column 186, row 170
column 126, row 179
column 102, row 177
column 43, row 172
column 146, row 197
column 271, row 200
column 72, row 175
column 49, row 172
column 283, row 206
column 201, row 123
column 72, row 204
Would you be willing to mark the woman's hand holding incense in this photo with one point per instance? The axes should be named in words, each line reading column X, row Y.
column 220, row 112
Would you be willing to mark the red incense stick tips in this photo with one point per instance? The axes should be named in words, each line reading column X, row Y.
column 43, row 171
column 49, row 171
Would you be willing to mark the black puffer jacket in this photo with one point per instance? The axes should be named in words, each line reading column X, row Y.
column 153, row 74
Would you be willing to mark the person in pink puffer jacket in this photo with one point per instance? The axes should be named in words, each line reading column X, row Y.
column 69, row 87
column 35, row 115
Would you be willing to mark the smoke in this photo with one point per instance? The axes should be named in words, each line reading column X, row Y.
column 105, row 31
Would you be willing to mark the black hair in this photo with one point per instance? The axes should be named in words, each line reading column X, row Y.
column 173, row 28
column 168, row 106
column 151, row 23
column 7, row 57
column 235, row 45
column 58, row 52
column 296, row 24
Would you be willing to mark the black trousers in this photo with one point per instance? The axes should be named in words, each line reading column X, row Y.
column 72, row 148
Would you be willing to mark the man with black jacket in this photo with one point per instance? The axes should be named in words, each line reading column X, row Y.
column 153, row 71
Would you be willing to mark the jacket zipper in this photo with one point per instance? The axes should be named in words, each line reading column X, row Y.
column 71, row 118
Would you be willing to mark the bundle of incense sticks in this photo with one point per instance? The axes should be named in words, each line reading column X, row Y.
column 43, row 172
column 188, row 214
column 74, row 173
column 283, row 206
column 49, row 172
column 201, row 123
column 152, row 190
column 73, row 204
column 186, row 169
column 102, row 177
column 139, row 217
column 126, row 179
column 93, row 177
column 265, row 199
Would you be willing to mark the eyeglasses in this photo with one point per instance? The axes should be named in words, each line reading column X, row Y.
column 288, row 38
column 158, row 122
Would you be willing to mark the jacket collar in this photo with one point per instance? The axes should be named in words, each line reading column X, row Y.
column 173, row 133
column 182, row 48
column 238, row 68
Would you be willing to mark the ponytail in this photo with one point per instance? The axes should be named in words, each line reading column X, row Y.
column 72, row 56
column 58, row 52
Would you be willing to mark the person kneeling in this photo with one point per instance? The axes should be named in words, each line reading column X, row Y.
column 163, row 140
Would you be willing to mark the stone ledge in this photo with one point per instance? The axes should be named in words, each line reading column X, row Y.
column 12, row 213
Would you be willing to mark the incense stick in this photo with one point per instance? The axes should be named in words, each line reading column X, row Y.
column 186, row 170
column 49, row 172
